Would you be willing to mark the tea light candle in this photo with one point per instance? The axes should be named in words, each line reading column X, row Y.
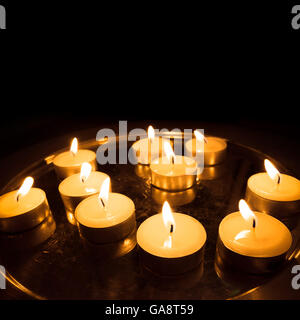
column 69, row 162
column 213, row 149
column 273, row 192
column 171, row 243
column 107, row 217
column 147, row 149
column 79, row 186
column 252, row 242
column 23, row 209
column 173, row 172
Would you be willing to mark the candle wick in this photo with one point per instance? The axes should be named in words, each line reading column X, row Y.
column 172, row 160
column 171, row 229
column 102, row 202
column 205, row 140
column 254, row 224
column 18, row 197
column 278, row 179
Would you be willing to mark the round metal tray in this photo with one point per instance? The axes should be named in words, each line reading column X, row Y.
column 64, row 266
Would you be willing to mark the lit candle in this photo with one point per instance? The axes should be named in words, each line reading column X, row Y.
column 149, row 148
column 106, row 217
column 173, row 172
column 213, row 149
column 171, row 243
column 69, row 162
column 79, row 186
column 273, row 192
column 253, row 242
column 24, row 208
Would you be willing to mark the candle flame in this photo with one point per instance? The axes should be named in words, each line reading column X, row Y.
column 168, row 150
column 151, row 133
column 74, row 146
column 103, row 195
column 85, row 171
column 272, row 171
column 246, row 212
column 168, row 216
column 25, row 187
column 199, row 136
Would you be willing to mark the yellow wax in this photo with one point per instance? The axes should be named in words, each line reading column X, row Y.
column 142, row 149
column 67, row 159
column 269, row 239
column 73, row 186
column 287, row 190
column 90, row 212
column 10, row 207
column 182, row 166
column 188, row 237
column 212, row 145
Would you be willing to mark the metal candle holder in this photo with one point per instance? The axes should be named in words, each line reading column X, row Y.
column 26, row 220
column 247, row 264
column 108, row 234
column 171, row 266
column 278, row 209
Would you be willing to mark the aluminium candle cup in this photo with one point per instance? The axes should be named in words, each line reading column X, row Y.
column 71, row 199
column 171, row 266
column 238, row 280
column 162, row 177
column 175, row 282
column 108, row 232
column 175, row 198
column 64, row 170
column 111, row 250
column 247, row 264
column 211, row 157
column 28, row 219
column 29, row 238
column 279, row 209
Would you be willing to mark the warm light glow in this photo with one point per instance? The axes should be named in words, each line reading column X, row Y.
column 168, row 216
column 103, row 195
column 168, row 243
column 25, row 187
column 85, row 171
column 151, row 133
column 246, row 212
column 273, row 173
column 199, row 136
column 241, row 235
column 74, row 146
column 168, row 150
column 71, row 218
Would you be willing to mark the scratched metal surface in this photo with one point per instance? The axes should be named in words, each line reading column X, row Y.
column 64, row 267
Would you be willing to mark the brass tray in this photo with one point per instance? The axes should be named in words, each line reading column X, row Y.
column 53, row 262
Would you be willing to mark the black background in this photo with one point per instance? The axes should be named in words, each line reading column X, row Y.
column 71, row 65
column 215, row 61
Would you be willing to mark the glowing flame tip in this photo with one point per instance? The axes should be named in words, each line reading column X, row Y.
column 25, row 187
column 85, row 171
column 74, row 146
